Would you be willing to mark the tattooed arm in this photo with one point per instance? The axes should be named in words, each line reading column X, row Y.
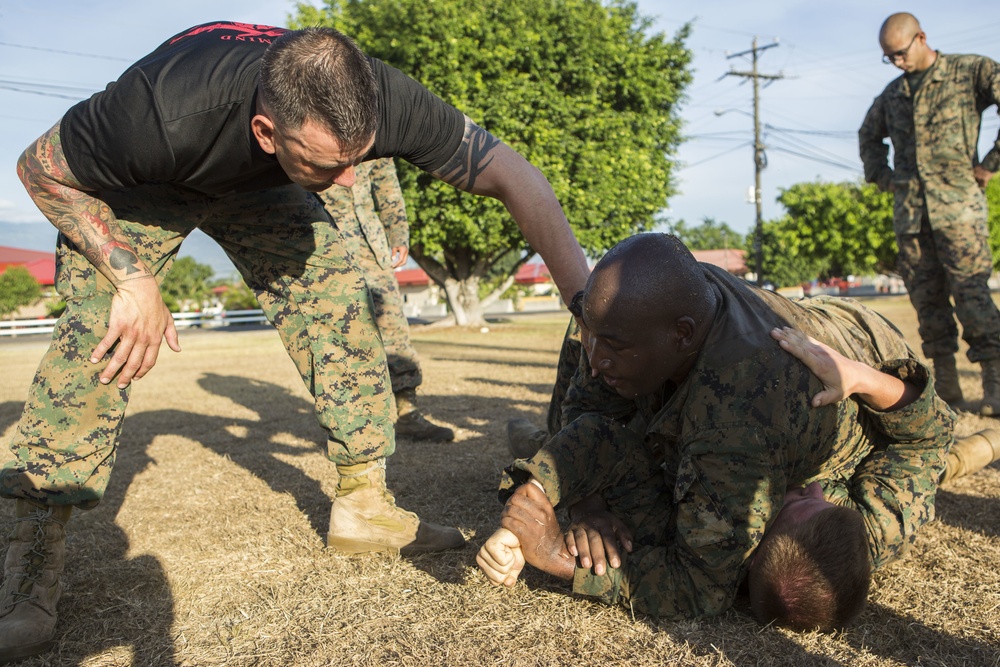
column 484, row 165
column 139, row 320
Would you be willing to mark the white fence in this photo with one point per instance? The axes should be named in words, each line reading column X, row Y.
column 223, row 318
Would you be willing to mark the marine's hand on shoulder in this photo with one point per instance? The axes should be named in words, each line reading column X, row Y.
column 138, row 322
column 834, row 370
column 843, row 377
column 500, row 558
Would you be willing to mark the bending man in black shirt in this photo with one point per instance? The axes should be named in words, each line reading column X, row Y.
column 230, row 128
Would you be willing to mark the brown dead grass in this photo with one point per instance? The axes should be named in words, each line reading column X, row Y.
column 208, row 549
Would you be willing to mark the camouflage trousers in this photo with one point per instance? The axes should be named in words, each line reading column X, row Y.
column 402, row 357
column 283, row 243
column 940, row 264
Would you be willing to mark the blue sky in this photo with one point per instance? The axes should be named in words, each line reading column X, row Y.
column 827, row 52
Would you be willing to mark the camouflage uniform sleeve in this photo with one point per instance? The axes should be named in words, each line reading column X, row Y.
column 988, row 92
column 874, row 150
column 895, row 485
column 388, row 198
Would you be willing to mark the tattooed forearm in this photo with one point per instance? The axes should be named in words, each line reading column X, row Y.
column 85, row 220
column 471, row 158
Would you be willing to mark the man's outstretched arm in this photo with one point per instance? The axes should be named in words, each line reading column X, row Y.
column 484, row 165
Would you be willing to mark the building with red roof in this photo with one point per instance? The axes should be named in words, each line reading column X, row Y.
column 41, row 265
column 732, row 260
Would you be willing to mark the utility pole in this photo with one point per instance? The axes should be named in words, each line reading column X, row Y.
column 759, row 157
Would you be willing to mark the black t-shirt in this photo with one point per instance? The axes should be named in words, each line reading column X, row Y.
column 182, row 115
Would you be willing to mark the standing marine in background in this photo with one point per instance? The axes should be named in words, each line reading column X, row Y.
column 371, row 218
column 932, row 115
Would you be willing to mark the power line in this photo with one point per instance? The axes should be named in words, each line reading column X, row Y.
column 814, row 158
column 68, row 53
column 39, row 92
column 717, row 155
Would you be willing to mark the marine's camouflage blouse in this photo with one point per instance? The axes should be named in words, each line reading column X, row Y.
column 934, row 137
column 740, row 431
column 372, row 212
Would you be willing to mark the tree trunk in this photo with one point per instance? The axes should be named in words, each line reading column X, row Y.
column 463, row 300
column 467, row 309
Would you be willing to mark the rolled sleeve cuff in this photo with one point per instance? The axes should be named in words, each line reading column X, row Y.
column 542, row 466
column 909, row 422
column 607, row 587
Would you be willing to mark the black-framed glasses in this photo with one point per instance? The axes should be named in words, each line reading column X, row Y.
column 891, row 58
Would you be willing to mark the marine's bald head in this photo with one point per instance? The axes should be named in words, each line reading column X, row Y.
column 901, row 26
column 649, row 276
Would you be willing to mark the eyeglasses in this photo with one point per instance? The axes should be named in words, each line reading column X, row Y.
column 891, row 58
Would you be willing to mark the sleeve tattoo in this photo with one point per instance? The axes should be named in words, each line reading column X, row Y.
column 82, row 218
column 473, row 156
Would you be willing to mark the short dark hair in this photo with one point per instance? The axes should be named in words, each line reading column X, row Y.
column 322, row 75
column 815, row 576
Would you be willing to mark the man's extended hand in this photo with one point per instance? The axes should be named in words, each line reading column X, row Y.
column 982, row 175
column 595, row 537
column 399, row 255
column 501, row 558
column 139, row 321
column 530, row 516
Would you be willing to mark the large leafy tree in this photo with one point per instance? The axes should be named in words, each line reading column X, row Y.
column 993, row 202
column 17, row 288
column 829, row 229
column 578, row 87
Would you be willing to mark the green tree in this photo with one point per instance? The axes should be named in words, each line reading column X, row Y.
column 576, row 86
column 993, row 203
column 186, row 285
column 832, row 229
column 709, row 235
column 18, row 288
column 239, row 297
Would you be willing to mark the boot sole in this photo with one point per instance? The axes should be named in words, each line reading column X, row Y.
column 15, row 654
column 359, row 546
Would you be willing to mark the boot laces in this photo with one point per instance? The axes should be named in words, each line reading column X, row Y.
column 33, row 560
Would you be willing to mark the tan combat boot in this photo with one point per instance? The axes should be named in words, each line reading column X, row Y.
column 524, row 439
column 946, row 379
column 991, row 388
column 365, row 518
column 971, row 453
column 31, row 588
column 412, row 423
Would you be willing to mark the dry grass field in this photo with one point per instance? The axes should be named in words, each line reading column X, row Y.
column 208, row 549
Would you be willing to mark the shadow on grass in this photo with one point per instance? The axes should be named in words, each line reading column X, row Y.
column 456, row 484
column 969, row 512
column 129, row 596
column 10, row 413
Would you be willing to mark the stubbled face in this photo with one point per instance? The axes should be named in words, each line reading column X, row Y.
column 633, row 355
column 800, row 504
column 311, row 156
